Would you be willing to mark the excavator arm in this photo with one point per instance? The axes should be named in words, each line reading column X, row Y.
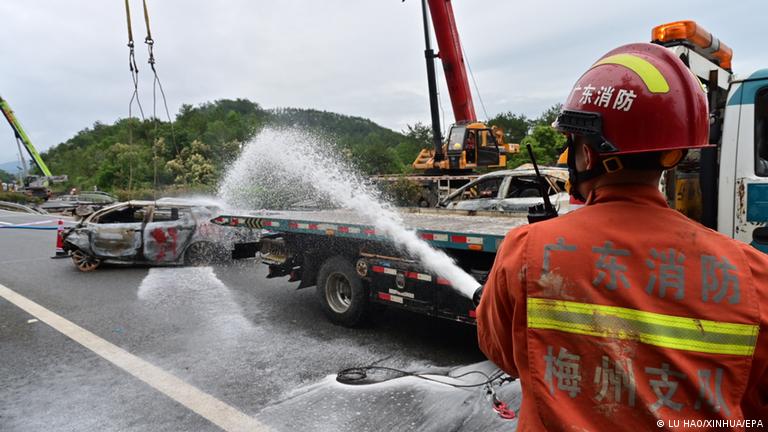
column 22, row 136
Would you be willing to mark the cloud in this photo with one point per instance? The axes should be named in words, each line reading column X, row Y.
column 66, row 63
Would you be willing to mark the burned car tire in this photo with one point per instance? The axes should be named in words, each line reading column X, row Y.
column 341, row 292
column 204, row 253
column 85, row 262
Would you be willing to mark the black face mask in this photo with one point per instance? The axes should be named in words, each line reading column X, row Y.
column 576, row 177
column 572, row 174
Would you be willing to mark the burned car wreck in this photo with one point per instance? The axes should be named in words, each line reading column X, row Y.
column 511, row 191
column 163, row 232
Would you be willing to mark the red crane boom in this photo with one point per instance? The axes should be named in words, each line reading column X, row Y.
column 470, row 144
column 452, row 57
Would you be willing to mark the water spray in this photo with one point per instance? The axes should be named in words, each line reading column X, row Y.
column 283, row 165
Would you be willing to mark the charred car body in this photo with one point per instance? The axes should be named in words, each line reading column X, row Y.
column 163, row 232
column 511, row 191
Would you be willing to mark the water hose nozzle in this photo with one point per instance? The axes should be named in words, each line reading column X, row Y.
column 476, row 296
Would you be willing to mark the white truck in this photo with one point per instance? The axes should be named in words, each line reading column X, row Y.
column 726, row 187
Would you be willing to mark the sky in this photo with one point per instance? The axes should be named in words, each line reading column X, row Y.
column 65, row 63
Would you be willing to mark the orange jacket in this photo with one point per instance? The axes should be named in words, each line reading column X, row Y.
column 625, row 313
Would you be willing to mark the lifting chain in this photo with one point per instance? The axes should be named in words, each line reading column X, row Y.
column 132, row 66
column 155, row 86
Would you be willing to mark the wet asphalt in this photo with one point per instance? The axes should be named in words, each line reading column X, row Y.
column 251, row 342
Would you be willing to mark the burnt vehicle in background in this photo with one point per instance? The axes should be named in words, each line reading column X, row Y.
column 81, row 204
column 163, row 232
column 512, row 191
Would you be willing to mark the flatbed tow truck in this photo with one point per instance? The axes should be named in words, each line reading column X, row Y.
column 353, row 266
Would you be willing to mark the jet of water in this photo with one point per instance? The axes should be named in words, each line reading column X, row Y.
column 280, row 166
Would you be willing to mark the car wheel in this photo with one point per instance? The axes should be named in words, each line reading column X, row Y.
column 85, row 262
column 203, row 253
column 341, row 292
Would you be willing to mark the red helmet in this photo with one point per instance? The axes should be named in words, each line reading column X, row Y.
column 637, row 98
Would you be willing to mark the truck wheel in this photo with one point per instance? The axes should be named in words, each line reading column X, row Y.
column 85, row 262
column 341, row 292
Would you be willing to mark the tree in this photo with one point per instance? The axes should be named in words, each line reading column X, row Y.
column 375, row 155
column 420, row 134
column 549, row 115
column 6, row 177
column 131, row 163
column 193, row 167
column 547, row 144
column 515, row 126
column 196, row 148
column 402, row 192
column 416, row 137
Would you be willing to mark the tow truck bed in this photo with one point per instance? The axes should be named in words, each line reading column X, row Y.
column 480, row 231
column 353, row 265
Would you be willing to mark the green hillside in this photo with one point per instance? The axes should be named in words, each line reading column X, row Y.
column 193, row 152
column 133, row 157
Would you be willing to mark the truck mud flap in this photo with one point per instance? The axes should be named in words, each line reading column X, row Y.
column 403, row 285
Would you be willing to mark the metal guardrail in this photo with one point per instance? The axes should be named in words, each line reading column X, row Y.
column 12, row 206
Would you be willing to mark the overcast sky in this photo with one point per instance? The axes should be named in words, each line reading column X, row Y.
column 64, row 62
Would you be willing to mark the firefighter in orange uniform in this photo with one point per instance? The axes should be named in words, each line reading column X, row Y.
column 624, row 314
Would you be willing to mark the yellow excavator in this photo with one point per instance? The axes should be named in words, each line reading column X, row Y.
column 470, row 144
column 36, row 185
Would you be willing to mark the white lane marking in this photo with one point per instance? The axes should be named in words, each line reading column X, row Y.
column 16, row 215
column 19, row 261
column 217, row 412
column 23, row 224
column 39, row 222
column 23, row 215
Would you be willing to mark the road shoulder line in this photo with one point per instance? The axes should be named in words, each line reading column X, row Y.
column 217, row 412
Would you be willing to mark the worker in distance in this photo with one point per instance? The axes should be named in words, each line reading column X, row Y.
column 625, row 314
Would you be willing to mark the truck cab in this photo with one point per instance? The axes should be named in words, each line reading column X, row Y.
column 724, row 187
column 469, row 145
column 472, row 145
column 743, row 188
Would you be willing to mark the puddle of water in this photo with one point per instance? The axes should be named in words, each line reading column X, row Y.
column 402, row 404
column 212, row 301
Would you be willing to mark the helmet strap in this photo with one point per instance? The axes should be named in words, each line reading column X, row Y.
column 575, row 178
column 657, row 161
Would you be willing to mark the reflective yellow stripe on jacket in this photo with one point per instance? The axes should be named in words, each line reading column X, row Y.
column 666, row 331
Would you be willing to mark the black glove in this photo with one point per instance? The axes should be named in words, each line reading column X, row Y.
column 476, row 296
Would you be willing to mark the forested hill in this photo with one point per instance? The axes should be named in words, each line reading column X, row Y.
column 132, row 156
column 194, row 151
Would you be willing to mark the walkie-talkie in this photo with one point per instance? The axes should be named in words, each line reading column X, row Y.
column 537, row 213
column 540, row 212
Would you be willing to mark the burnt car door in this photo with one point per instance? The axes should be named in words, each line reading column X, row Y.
column 116, row 233
column 167, row 233
column 524, row 191
column 481, row 194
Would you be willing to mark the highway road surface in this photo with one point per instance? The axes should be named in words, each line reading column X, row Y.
column 209, row 348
